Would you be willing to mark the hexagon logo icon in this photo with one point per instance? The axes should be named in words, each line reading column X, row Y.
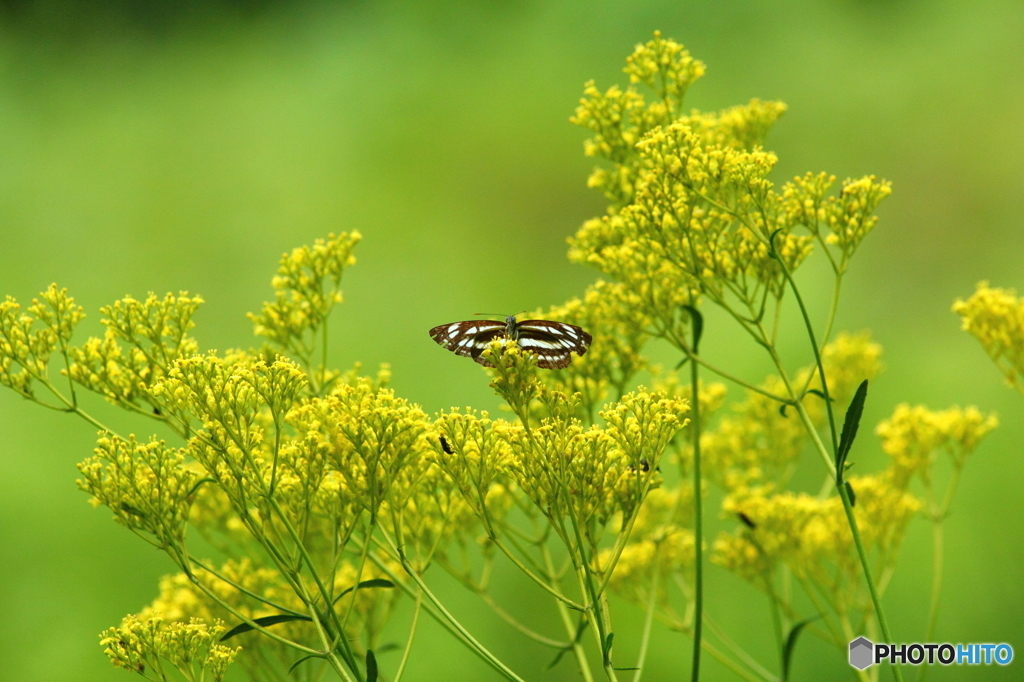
column 861, row 650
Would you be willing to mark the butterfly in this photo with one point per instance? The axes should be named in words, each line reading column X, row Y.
column 552, row 342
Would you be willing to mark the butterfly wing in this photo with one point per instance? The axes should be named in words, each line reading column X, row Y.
column 468, row 339
column 552, row 342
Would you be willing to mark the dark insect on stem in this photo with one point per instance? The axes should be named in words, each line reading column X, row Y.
column 747, row 521
column 444, row 446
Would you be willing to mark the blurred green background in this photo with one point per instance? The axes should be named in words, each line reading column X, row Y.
column 185, row 146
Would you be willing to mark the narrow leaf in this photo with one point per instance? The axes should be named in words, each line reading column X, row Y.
column 782, row 410
column 698, row 324
column 371, row 666
column 771, row 243
column 853, row 415
column 301, row 660
column 787, row 651
column 558, row 657
column 850, row 494
column 128, row 509
column 608, row 645
column 198, row 484
column 376, row 582
column 821, row 395
column 265, row 621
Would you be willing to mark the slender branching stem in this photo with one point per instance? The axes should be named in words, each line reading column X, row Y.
column 412, row 634
column 698, row 524
column 466, row 636
column 652, row 604
column 571, row 629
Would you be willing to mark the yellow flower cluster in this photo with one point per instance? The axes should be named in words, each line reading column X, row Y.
column 914, row 436
column 470, row 450
column 564, row 467
column 848, row 217
column 141, row 644
column 27, row 340
column 759, row 443
column 812, row 537
column 241, row 588
column 155, row 335
column 148, row 486
column 306, row 289
column 661, row 541
column 996, row 318
column 691, row 212
column 369, row 436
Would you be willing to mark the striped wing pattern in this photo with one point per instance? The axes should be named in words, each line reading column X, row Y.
column 468, row 339
column 552, row 342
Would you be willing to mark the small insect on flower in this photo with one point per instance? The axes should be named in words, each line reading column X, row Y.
column 444, row 446
column 552, row 342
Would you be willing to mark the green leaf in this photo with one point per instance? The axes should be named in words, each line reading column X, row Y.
column 198, row 484
column 301, row 660
column 853, row 415
column 371, row 666
column 821, row 395
column 787, row 651
column 558, row 657
column 782, row 410
column 376, row 582
column 579, row 633
column 698, row 324
column 771, row 243
column 128, row 509
column 607, row 645
column 263, row 622
column 850, row 494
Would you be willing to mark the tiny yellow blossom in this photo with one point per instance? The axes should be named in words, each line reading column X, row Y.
column 996, row 318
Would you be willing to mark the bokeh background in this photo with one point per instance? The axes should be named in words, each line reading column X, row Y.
column 186, row 145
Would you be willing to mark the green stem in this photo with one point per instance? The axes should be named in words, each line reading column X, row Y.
column 70, row 406
column 534, row 577
column 938, row 550
column 833, row 308
column 776, row 619
column 698, row 524
column 412, row 633
column 463, row 632
column 739, row 653
column 652, row 603
column 847, row 507
column 248, row 621
column 325, row 639
column 875, row 598
column 586, row 577
column 685, row 348
column 571, row 629
column 485, row 596
column 240, row 588
column 933, row 607
column 326, row 594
